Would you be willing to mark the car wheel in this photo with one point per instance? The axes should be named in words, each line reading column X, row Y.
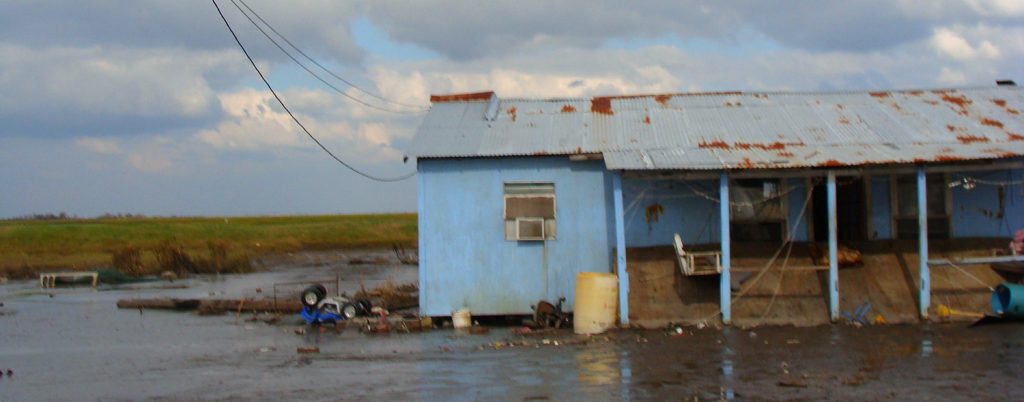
column 348, row 310
column 363, row 307
column 311, row 296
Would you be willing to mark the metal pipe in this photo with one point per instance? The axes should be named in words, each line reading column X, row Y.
column 620, row 249
column 833, row 250
column 922, row 236
column 724, row 286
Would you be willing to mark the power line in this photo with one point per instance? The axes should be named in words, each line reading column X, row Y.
column 311, row 59
column 314, row 74
column 295, row 119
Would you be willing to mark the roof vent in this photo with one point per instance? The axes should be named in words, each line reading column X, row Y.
column 492, row 108
column 1006, row 83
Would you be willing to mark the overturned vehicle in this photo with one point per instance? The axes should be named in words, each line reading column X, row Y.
column 318, row 308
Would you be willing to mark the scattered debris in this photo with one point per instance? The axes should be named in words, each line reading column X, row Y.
column 168, row 276
column 792, row 383
column 211, row 306
column 403, row 256
column 307, row 350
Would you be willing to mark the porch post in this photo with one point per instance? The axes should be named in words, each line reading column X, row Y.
column 833, row 250
column 724, row 285
column 922, row 236
column 620, row 249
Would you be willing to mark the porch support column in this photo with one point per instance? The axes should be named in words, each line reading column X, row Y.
column 922, row 251
column 620, row 249
column 833, row 250
column 724, row 285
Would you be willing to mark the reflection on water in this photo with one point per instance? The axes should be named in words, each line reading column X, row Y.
column 727, row 369
column 598, row 366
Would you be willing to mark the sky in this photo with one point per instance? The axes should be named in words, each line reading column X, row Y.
column 149, row 107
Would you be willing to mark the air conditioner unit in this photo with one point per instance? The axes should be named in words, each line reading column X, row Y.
column 530, row 229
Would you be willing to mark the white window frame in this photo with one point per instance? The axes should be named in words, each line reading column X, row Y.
column 512, row 223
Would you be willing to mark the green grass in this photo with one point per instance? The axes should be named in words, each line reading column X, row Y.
column 30, row 246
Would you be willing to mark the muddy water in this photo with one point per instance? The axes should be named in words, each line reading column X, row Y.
column 78, row 346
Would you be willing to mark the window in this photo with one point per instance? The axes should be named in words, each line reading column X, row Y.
column 905, row 208
column 529, row 211
column 757, row 210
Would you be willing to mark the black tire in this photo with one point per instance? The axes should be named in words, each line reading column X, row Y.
column 363, row 307
column 322, row 290
column 312, row 296
column 348, row 310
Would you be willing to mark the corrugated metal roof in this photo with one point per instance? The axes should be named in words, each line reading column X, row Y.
column 738, row 130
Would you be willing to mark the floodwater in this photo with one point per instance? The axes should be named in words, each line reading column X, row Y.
column 77, row 345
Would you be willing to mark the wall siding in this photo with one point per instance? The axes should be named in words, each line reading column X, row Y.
column 465, row 261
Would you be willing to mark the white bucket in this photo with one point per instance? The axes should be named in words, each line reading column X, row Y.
column 596, row 302
column 462, row 319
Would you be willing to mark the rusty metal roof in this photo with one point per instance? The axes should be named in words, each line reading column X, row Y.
column 735, row 130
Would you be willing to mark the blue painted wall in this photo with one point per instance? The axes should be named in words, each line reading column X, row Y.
column 690, row 209
column 986, row 210
column 465, row 261
column 686, row 209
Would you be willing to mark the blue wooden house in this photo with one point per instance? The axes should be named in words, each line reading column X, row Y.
column 516, row 196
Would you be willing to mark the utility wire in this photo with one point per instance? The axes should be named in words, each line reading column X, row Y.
column 295, row 119
column 311, row 59
column 314, row 74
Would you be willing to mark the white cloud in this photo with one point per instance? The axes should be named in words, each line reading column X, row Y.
column 103, row 146
column 254, row 121
column 953, row 44
column 1000, row 8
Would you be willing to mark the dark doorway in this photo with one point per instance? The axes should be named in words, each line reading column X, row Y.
column 851, row 211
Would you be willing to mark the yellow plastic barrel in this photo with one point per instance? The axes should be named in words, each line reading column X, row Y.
column 596, row 302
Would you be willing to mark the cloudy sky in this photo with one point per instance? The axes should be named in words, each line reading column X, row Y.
column 150, row 107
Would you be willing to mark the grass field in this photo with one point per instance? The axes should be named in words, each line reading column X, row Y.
column 27, row 247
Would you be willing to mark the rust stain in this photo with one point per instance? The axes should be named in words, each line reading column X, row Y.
column 844, row 120
column 1015, row 137
column 879, row 94
column 915, row 93
column 653, row 212
column 714, row 144
column 464, row 97
column 840, row 106
column 959, row 102
column 948, row 158
column 785, row 154
column 662, row 99
column 931, row 102
column 953, row 128
column 774, row 146
column 647, row 119
column 512, row 113
column 946, row 149
column 830, row 163
column 540, row 153
column 730, row 104
column 579, row 150
column 568, row 109
column 747, row 163
column 968, row 139
column 992, row 123
column 1000, row 153
column 1002, row 103
column 602, row 105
